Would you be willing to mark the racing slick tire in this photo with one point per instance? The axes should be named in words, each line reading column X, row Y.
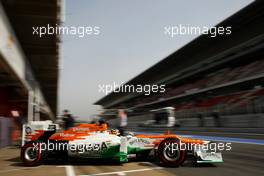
column 30, row 155
column 169, row 153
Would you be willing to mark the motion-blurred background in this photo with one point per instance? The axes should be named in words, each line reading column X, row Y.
column 213, row 84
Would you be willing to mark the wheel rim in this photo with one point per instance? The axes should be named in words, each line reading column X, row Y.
column 30, row 154
column 171, row 154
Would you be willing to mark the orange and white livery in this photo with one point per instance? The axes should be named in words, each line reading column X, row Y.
column 43, row 139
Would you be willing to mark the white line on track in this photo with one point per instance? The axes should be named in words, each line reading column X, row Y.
column 124, row 172
column 69, row 170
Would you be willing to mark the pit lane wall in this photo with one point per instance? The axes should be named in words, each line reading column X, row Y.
column 6, row 126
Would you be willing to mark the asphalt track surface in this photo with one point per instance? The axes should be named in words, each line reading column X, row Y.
column 246, row 158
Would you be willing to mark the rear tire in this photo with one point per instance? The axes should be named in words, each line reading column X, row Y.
column 31, row 155
column 171, row 156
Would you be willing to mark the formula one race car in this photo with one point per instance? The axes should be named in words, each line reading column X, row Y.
column 41, row 140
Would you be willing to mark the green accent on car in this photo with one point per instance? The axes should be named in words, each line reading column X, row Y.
column 123, row 157
column 113, row 152
column 135, row 150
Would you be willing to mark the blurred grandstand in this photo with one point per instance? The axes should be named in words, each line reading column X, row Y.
column 211, row 82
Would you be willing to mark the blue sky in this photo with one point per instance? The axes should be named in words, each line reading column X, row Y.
column 131, row 40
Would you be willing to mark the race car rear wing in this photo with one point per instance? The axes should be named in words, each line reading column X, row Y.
column 34, row 129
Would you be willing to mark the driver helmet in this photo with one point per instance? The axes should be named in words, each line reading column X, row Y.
column 115, row 132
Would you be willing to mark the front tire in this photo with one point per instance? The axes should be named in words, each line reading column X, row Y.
column 170, row 154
